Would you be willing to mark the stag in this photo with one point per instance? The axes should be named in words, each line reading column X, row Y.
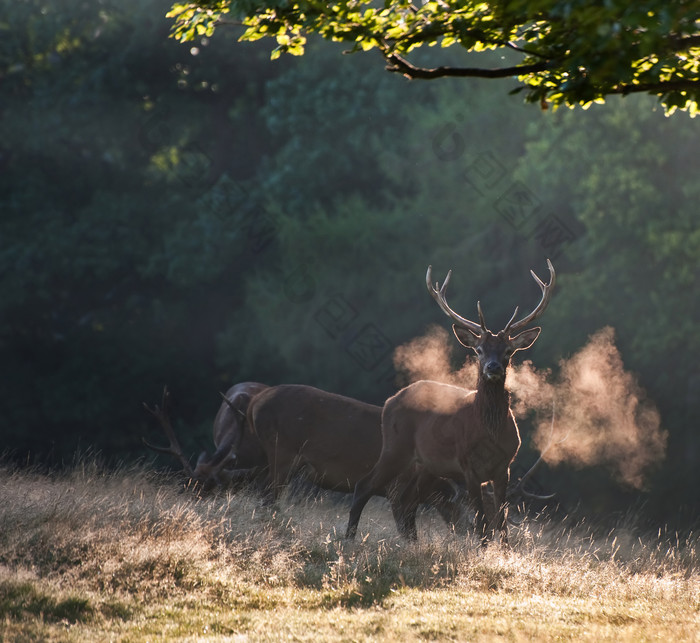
column 225, row 466
column 451, row 431
column 338, row 440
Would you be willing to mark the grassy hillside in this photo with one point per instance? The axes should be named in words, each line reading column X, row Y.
column 95, row 555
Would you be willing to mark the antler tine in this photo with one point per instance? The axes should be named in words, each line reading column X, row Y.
column 519, row 488
column 512, row 318
column 540, row 308
column 481, row 316
column 160, row 413
column 232, row 406
column 439, row 294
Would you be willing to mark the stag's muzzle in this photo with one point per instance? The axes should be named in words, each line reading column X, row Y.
column 494, row 371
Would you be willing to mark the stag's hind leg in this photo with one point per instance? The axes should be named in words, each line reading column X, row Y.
column 404, row 498
column 388, row 468
column 449, row 499
column 418, row 485
column 405, row 519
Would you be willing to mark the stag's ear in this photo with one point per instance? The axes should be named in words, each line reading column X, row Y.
column 525, row 339
column 465, row 336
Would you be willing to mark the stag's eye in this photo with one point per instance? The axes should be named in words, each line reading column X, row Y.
column 479, row 350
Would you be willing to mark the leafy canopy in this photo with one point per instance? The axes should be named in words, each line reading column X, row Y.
column 569, row 52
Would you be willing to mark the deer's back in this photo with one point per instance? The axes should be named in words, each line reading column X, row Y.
column 337, row 436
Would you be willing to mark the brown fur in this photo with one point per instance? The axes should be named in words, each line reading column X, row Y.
column 337, row 440
column 449, row 431
column 452, row 432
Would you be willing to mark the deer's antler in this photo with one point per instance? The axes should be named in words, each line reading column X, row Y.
column 514, row 327
column 439, row 294
column 160, row 413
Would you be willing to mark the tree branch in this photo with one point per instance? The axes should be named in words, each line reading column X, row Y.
column 396, row 63
column 400, row 65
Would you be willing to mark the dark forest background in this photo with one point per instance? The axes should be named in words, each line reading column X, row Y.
column 197, row 215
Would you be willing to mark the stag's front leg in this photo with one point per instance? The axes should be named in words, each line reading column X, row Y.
column 500, row 520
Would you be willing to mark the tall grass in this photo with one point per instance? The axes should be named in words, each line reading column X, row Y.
column 97, row 554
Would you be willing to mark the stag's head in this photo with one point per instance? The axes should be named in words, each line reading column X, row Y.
column 494, row 350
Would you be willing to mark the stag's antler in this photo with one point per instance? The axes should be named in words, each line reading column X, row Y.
column 540, row 308
column 160, row 413
column 519, row 488
column 439, row 294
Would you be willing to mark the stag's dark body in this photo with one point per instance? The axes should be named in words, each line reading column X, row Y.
column 338, row 441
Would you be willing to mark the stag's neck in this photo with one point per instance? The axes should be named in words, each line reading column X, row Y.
column 492, row 402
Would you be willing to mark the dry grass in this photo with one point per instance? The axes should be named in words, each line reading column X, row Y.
column 94, row 555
